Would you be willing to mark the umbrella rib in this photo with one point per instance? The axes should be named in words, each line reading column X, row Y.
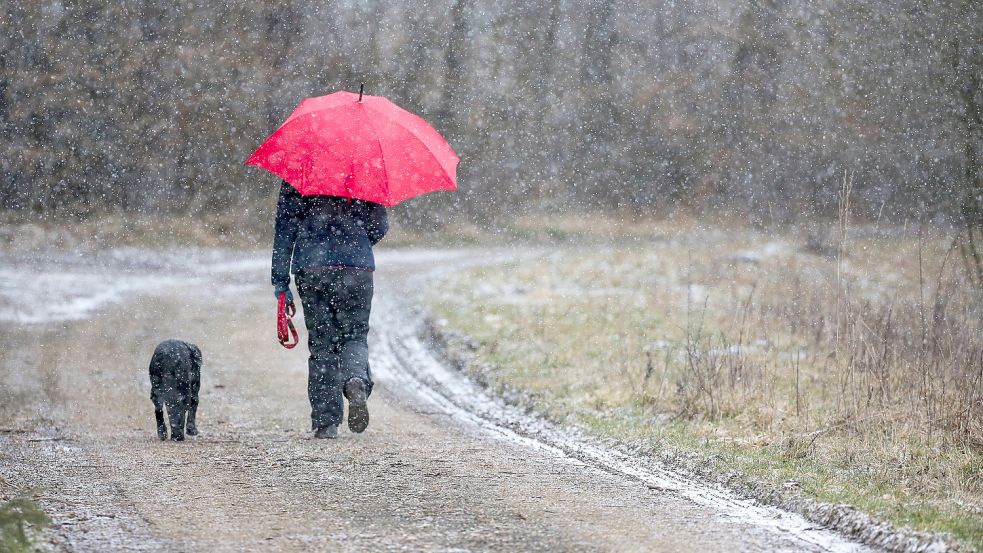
column 420, row 140
column 385, row 168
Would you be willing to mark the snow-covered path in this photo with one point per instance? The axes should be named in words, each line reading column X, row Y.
column 441, row 468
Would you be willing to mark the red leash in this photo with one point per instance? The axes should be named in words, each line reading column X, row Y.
column 284, row 326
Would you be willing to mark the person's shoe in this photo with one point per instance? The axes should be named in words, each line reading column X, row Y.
column 358, row 410
column 330, row 431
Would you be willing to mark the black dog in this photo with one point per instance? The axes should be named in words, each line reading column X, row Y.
column 175, row 377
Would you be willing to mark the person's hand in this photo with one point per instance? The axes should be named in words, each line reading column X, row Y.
column 290, row 297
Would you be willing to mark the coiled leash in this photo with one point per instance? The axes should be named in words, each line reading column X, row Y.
column 284, row 326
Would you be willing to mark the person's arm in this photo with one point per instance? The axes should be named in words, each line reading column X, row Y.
column 287, row 222
column 376, row 221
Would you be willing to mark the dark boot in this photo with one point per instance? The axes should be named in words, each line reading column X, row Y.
column 329, row 432
column 358, row 409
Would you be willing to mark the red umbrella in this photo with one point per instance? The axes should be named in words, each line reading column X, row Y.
column 367, row 148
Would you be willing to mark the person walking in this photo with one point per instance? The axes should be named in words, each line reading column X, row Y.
column 326, row 242
column 344, row 157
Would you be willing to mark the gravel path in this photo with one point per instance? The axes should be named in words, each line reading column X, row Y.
column 436, row 471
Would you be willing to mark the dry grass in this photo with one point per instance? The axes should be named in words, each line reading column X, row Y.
column 848, row 359
column 247, row 228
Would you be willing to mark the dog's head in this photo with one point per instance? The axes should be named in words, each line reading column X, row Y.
column 195, row 356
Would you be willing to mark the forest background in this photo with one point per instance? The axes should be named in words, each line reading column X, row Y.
column 554, row 106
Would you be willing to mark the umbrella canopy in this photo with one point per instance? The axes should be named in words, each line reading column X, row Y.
column 367, row 148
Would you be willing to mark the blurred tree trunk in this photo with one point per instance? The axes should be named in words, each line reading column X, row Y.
column 598, row 111
column 967, row 67
column 752, row 90
column 450, row 118
column 452, row 111
column 281, row 27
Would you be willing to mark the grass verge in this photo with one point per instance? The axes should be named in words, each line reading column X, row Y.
column 849, row 370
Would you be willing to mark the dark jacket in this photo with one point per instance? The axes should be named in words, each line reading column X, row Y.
column 324, row 231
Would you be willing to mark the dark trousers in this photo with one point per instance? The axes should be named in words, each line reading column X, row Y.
column 336, row 310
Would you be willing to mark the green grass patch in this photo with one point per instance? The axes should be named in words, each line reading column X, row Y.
column 20, row 517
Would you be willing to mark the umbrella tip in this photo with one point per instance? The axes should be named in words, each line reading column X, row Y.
column 361, row 88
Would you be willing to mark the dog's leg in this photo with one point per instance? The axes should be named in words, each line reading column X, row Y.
column 175, row 413
column 155, row 384
column 192, row 428
column 193, row 403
